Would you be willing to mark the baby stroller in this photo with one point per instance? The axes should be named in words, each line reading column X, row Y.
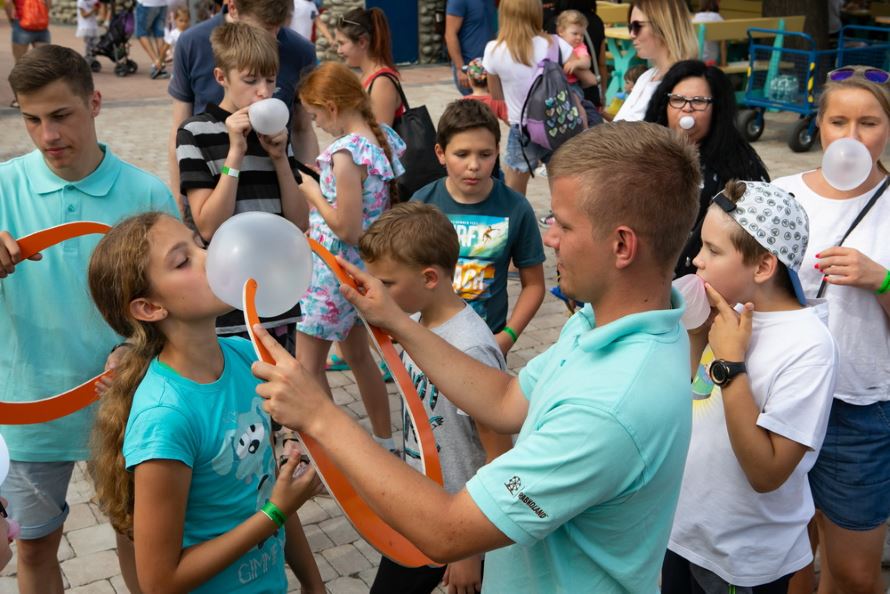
column 115, row 44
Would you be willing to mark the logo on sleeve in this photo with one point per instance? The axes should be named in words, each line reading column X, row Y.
column 514, row 485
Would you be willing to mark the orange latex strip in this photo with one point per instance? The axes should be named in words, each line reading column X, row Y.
column 371, row 527
column 53, row 407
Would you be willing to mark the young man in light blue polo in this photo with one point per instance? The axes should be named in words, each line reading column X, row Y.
column 585, row 500
column 54, row 339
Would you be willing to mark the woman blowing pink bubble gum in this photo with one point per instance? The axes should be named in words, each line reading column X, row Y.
column 182, row 459
column 849, row 480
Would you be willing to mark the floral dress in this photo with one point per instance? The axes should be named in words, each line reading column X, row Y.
column 326, row 313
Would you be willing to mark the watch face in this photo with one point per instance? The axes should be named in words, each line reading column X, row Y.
column 718, row 372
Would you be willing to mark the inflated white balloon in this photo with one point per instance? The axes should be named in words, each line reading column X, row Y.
column 4, row 460
column 846, row 164
column 268, row 116
column 687, row 122
column 267, row 248
column 692, row 288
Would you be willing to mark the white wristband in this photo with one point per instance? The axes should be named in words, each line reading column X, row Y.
column 230, row 171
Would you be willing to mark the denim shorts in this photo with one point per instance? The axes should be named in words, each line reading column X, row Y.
column 22, row 37
column 150, row 20
column 534, row 153
column 36, row 494
column 851, row 478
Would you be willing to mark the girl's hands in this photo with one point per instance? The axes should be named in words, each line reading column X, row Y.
column 848, row 266
column 311, row 190
column 275, row 144
column 295, row 485
column 238, row 127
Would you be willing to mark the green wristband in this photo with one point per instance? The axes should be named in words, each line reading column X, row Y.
column 885, row 286
column 512, row 333
column 273, row 513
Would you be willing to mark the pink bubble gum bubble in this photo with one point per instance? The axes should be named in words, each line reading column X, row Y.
column 692, row 288
column 14, row 529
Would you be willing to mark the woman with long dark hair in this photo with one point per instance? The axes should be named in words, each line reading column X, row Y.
column 698, row 100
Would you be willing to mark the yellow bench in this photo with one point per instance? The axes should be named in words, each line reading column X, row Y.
column 737, row 30
column 612, row 13
column 741, row 9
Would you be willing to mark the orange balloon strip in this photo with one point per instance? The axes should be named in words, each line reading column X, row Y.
column 53, row 407
column 367, row 523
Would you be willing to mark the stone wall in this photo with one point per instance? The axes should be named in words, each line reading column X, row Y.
column 431, row 34
column 432, row 30
column 64, row 12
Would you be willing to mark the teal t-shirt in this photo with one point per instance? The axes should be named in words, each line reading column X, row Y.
column 220, row 431
column 54, row 339
column 589, row 491
column 493, row 232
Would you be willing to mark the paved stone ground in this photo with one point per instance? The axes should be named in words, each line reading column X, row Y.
column 134, row 121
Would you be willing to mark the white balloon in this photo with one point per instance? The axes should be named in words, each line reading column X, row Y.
column 4, row 460
column 687, row 122
column 692, row 288
column 846, row 164
column 268, row 116
column 267, row 248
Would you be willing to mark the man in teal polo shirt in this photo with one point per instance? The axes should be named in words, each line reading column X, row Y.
column 585, row 500
column 54, row 339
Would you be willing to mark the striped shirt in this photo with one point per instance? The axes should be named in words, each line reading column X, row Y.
column 202, row 143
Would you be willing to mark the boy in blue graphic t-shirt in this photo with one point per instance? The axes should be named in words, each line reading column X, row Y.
column 494, row 224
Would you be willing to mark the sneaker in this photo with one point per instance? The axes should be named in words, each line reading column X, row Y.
column 541, row 171
column 547, row 220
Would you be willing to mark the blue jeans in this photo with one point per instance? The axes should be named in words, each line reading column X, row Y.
column 851, row 478
column 22, row 37
column 150, row 21
column 36, row 494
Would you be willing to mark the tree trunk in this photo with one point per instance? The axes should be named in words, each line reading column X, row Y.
column 816, row 24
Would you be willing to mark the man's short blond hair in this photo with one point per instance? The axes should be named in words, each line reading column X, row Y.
column 412, row 233
column 637, row 174
column 239, row 46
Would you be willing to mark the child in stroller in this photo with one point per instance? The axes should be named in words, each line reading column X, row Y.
column 115, row 44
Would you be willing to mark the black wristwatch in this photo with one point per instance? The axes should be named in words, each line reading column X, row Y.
column 723, row 372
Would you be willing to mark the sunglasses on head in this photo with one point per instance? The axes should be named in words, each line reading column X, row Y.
column 875, row 75
column 344, row 21
column 636, row 26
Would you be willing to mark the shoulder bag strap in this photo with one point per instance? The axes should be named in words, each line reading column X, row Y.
column 859, row 217
column 396, row 82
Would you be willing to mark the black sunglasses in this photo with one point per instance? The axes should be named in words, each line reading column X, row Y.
column 636, row 26
column 875, row 75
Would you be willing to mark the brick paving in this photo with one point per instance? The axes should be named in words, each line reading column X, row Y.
column 134, row 122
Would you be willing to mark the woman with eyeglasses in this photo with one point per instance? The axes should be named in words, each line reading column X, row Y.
column 364, row 42
column 662, row 33
column 851, row 479
column 698, row 101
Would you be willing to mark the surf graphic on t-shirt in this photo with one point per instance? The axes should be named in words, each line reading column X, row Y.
column 483, row 240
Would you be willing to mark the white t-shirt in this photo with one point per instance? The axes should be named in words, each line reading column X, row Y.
column 152, row 3
column 171, row 36
column 859, row 324
column 711, row 50
column 516, row 78
column 634, row 107
column 86, row 26
column 304, row 15
column 722, row 523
